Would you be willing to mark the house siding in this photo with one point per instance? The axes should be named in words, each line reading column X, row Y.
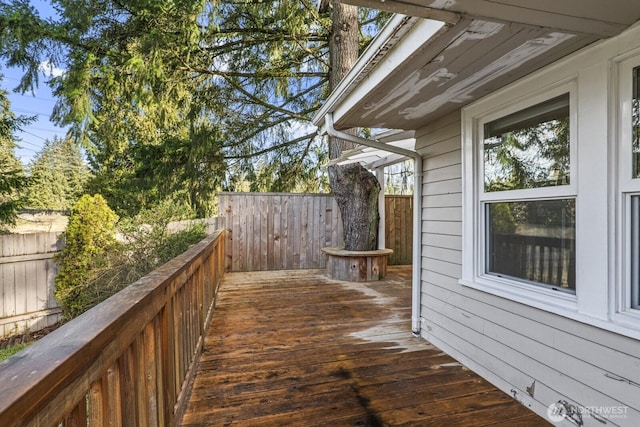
column 535, row 356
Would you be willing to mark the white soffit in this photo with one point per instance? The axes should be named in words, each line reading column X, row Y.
column 381, row 49
column 419, row 70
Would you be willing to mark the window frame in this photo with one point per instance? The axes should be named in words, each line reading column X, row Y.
column 475, row 199
column 632, row 235
column 597, row 78
column 627, row 187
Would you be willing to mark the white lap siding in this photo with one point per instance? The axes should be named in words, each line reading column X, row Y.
column 533, row 355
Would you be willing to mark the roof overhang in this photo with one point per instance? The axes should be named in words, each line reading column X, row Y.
column 417, row 70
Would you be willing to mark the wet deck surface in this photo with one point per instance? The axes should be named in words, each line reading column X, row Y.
column 296, row 348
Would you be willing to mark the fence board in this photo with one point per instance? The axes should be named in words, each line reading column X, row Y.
column 275, row 231
column 265, row 211
column 27, row 272
column 9, row 292
column 284, row 232
column 277, row 239
column 399, row 228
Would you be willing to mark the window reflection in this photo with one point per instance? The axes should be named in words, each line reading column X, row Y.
column 533, row 241
column 528, row 149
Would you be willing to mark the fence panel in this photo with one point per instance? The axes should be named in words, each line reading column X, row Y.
column 27, row 273
column 399, row 228
column 277, row 231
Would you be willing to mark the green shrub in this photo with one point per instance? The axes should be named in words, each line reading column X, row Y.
column 107, row 266
column 89, row 236
column 148, row 241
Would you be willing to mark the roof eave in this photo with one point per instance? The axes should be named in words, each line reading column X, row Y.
column 388, row 37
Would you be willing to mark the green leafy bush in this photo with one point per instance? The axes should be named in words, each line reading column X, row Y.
column 89, row 236
column 144, row 243
column 149, row 243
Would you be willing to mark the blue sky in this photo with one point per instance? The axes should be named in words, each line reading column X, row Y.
column 39, row 104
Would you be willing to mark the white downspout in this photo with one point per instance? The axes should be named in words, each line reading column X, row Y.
column 416, row 321
column 381, row 209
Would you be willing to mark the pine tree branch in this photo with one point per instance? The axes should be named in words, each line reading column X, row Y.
column 313, row 54
column 268, row 74
column 262, row 103
column 309, row 136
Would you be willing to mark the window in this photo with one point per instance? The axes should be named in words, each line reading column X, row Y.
column 634, row 219
column 529, row 148
column 635, row 122
column 629, row 184
column 551, row 191
column 529, row 234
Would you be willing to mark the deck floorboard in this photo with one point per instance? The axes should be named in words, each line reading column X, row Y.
column 297, row 348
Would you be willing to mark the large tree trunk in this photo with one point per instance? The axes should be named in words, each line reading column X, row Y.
column 355, row 189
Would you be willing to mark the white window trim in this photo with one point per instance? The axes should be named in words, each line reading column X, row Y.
column 473, row 118
column 601, row 209
column 627, row 187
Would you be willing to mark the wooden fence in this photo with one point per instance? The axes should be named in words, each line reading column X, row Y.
column 277, row 231
column 27, row 273
column 399, row 228
column 127, row 361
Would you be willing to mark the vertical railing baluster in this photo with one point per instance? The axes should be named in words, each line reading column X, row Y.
column 150, row 374
column 77, row 417
column 97, row 415
column 127, row 387
column 113, row 408
column 139, row 378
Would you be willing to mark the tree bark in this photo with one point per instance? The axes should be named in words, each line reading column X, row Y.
column 355, row 189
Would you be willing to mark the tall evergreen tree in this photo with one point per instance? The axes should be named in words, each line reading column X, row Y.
column 12, row 178
column 180, row 98
column 355, row 188
column 58, row 176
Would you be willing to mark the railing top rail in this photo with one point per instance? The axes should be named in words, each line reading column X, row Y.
column 79, row 351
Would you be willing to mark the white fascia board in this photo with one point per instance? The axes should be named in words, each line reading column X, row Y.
column 379, row 59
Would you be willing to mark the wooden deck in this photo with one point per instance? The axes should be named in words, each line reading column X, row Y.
column 296, row 348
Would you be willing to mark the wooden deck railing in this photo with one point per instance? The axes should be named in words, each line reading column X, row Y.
column 127, row 361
